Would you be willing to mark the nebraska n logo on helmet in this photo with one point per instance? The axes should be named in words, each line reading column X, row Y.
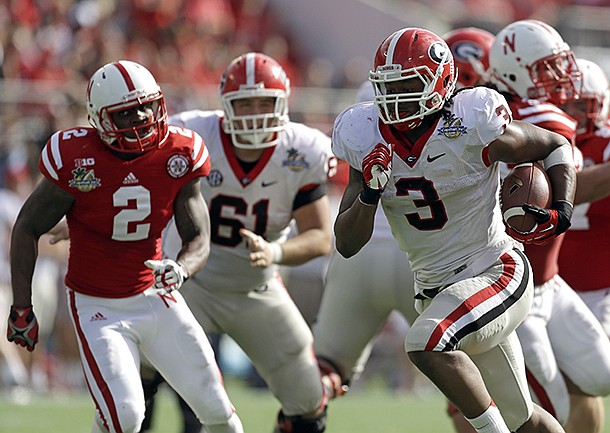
column 412, row 53
column 530, row 59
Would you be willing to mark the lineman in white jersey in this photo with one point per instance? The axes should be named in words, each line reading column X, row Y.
column 432, row 160
column 266, row 172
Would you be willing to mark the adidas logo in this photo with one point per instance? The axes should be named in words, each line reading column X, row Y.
column 130, row 179
column 96, row 317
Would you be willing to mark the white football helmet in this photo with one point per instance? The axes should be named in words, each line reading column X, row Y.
column 254, row 75
column 528, row 58
column 592, row 108
column 123, row 85
column 406, row 54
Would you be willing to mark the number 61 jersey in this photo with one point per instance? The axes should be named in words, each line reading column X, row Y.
column 120, row 207
column 260, row 198
column 442, row 199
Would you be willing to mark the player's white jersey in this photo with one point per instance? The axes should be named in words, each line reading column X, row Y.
column 261, row 201
column 442, row 198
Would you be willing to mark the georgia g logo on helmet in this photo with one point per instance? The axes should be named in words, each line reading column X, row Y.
column 438, row 52
column 466, row 50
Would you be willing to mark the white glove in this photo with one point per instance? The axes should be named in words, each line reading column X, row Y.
column 169, row 275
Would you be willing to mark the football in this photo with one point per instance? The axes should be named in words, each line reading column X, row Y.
column 525, row 183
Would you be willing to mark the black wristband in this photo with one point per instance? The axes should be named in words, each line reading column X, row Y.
column 370, row 196
column 564, row 210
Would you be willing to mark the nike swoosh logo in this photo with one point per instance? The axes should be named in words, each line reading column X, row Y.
column 434, row 158
column 265, row 184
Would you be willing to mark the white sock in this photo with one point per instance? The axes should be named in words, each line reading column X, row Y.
column 489, row 421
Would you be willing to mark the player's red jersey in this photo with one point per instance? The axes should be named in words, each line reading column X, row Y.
column 586, row 243
column 121, row 207
column 544, row 259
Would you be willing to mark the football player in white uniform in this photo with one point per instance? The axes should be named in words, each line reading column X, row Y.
column 432, row 159
column 266, row 172
column 567, row 353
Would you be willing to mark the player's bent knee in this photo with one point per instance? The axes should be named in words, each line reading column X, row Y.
column 301, row 424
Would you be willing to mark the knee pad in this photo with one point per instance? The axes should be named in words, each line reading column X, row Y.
column 300, row 424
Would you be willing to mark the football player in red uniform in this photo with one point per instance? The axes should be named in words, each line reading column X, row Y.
column 586, row 243
column 567, row 354
column 118, row 183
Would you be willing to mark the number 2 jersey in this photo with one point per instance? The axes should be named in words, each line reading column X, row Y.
column 261, row 199
column 121, row 207
column 442, row 200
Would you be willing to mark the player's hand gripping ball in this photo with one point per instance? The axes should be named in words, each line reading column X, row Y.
column 526, row 198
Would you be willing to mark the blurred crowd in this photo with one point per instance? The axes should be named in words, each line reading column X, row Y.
column 54, row 42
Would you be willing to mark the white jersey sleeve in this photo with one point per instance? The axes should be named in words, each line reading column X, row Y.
column 480, row 107
column 354, row 131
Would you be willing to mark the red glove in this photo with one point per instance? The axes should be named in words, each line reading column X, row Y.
column 549, row 223
column 377, row 166
column 22, row 327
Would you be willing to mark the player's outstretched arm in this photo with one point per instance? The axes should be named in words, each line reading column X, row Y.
column 593, row 183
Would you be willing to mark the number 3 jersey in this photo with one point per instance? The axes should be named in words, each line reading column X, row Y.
column 442, row 200
column 120, row 207
column 261, row 199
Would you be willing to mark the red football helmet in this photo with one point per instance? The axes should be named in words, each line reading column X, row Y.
column 254, row 75
column 406, row 54
column 470, row 49
column 120, row 86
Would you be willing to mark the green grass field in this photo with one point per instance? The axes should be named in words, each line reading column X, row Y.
column 364, row 411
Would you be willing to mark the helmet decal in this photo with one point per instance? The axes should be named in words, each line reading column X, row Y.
column 438, row 52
